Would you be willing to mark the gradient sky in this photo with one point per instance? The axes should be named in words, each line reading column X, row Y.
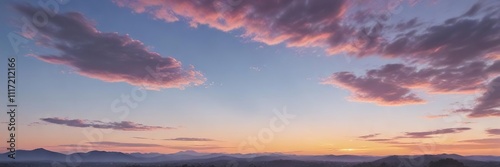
column 376, row 78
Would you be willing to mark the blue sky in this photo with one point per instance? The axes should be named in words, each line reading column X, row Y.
column 245, row 80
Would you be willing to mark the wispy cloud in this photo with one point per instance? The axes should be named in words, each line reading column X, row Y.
column 107, row 56
column 483, row 141
column 488, row 103
column 379, row 140
column 455, row 148
column 429, row 134
column 112, row 144
column 123, row 125
column 187, row 139
column 108, row 144
column 437, row 116
column 119, row 144
column 471, row 144
column 37, row 123
column 255, row 68
column 190, row 139
column 369, row 136
column 197, row 147
column 144, row 138
column 493, row 131
column 402, row 140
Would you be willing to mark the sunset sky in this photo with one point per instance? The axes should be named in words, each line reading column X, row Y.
column 244, row 76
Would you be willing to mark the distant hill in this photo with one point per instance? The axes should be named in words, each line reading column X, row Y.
column 39, row 154
column 484, row 158
column 424, row 161
column 104, row 156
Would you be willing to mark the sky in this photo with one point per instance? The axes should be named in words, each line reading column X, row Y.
column 238, row 76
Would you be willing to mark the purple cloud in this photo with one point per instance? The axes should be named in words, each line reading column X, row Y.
column 369, row 136
column 429, row 134
column 123, row 125
column 456, row 56
column 197, row 147
column 391, row 84
column 483, row 141
column 448, row 44
column 120, row 144
column 190, row 139
column 295, row 23
column 446, row 57
column 437, row 116
column 392, row 141
column 488, row 103
column 144, row 138
column 338, row 26
column 379, row 140
column 111, row 144
column 413, row 135
column 108, row 57
column 374, row 90
column 493, row 131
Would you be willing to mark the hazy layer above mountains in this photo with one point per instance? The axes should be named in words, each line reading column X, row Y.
column 102, row 158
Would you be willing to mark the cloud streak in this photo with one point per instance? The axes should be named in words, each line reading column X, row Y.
column 402, row 140
column 123, row 125
column 120, row 144
column 429, row 134
column 483, row 141
column 197, row 147
column 437, row 116
column 108, row 57
column 493, row 131
column 189, row 139
column 112, row 144
column 369, row 136
column 109, row 144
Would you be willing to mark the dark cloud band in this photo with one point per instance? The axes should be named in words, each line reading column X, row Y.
column 123, row 125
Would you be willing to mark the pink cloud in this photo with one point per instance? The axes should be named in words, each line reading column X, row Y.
column 296, row 23
column 339, row 26
column 108, row 57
